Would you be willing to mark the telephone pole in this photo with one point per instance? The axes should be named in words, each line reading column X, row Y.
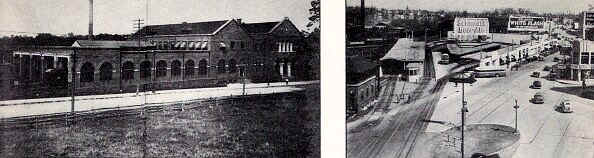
column 138, row 25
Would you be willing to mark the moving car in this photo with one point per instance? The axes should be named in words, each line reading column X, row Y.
column 564, row 106
column 538, row 98
column 536, row 85
column 535, row 74
column 547, row 68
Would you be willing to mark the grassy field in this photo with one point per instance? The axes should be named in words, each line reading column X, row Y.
column 281, row 125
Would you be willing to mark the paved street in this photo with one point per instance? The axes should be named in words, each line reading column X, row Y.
column 27, row 107
column 393, row 133
column 545, row 133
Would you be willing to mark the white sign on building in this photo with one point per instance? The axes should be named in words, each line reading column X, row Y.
column 466, row 29
column 471, row 26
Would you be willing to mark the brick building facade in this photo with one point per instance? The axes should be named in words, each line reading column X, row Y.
column 185, row 55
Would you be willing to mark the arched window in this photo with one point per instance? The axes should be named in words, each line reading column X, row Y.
column 175, row 68
column 202, row 67
column 105, row 71
column 232, row 66
column 87, row 72
column 128, row 71
column 161, row 68
column 190, row 68
column 145, row 69
column 221, row 66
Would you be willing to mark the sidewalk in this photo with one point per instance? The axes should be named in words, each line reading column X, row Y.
column 572, row 82
column 27, row 107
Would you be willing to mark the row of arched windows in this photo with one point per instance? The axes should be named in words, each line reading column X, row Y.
column 106, row 69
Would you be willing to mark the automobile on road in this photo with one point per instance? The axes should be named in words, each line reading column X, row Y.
column 564, row 106
column 535, row 74
column 538, row 98
column 536, row 85
column 547, row 68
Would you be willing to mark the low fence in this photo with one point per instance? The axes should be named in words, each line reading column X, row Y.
column 66, row 118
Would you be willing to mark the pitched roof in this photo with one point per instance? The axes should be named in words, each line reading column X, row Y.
column 208, row 27
column 108, row 44
column 406, row 50
column 264, row 27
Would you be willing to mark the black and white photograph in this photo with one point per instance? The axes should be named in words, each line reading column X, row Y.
column 469, row 78
column 160, row 78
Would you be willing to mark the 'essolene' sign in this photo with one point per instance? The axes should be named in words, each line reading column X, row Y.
column 474, row 26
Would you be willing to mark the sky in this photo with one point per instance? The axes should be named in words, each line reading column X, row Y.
column 554, row 6
column 116, row 16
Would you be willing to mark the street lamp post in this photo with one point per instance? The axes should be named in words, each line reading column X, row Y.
column 516, row 118
column 463, row 78
column 243, row 74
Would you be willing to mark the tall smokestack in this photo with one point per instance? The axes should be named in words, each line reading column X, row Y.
column 362, row 19
column 90, row 19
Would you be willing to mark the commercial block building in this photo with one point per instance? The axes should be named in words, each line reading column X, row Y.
column 582, row 60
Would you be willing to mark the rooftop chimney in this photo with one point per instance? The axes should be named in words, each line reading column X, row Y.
column 90, row 19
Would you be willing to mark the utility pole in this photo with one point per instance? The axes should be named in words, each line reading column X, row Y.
column 138, row 25
column 463, row 111
column 73, row 93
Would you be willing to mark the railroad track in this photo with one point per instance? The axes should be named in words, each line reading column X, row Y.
column 67, row 117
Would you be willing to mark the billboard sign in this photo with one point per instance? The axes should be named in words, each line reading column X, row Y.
column 526, row 24
column 471, row 26
column 589, row 19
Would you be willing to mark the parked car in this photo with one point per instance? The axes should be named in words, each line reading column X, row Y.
column 536, row 85
column 538, row 98
column 535, row 74
column 564, row 106
column 552, row 76
column 547, row 68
